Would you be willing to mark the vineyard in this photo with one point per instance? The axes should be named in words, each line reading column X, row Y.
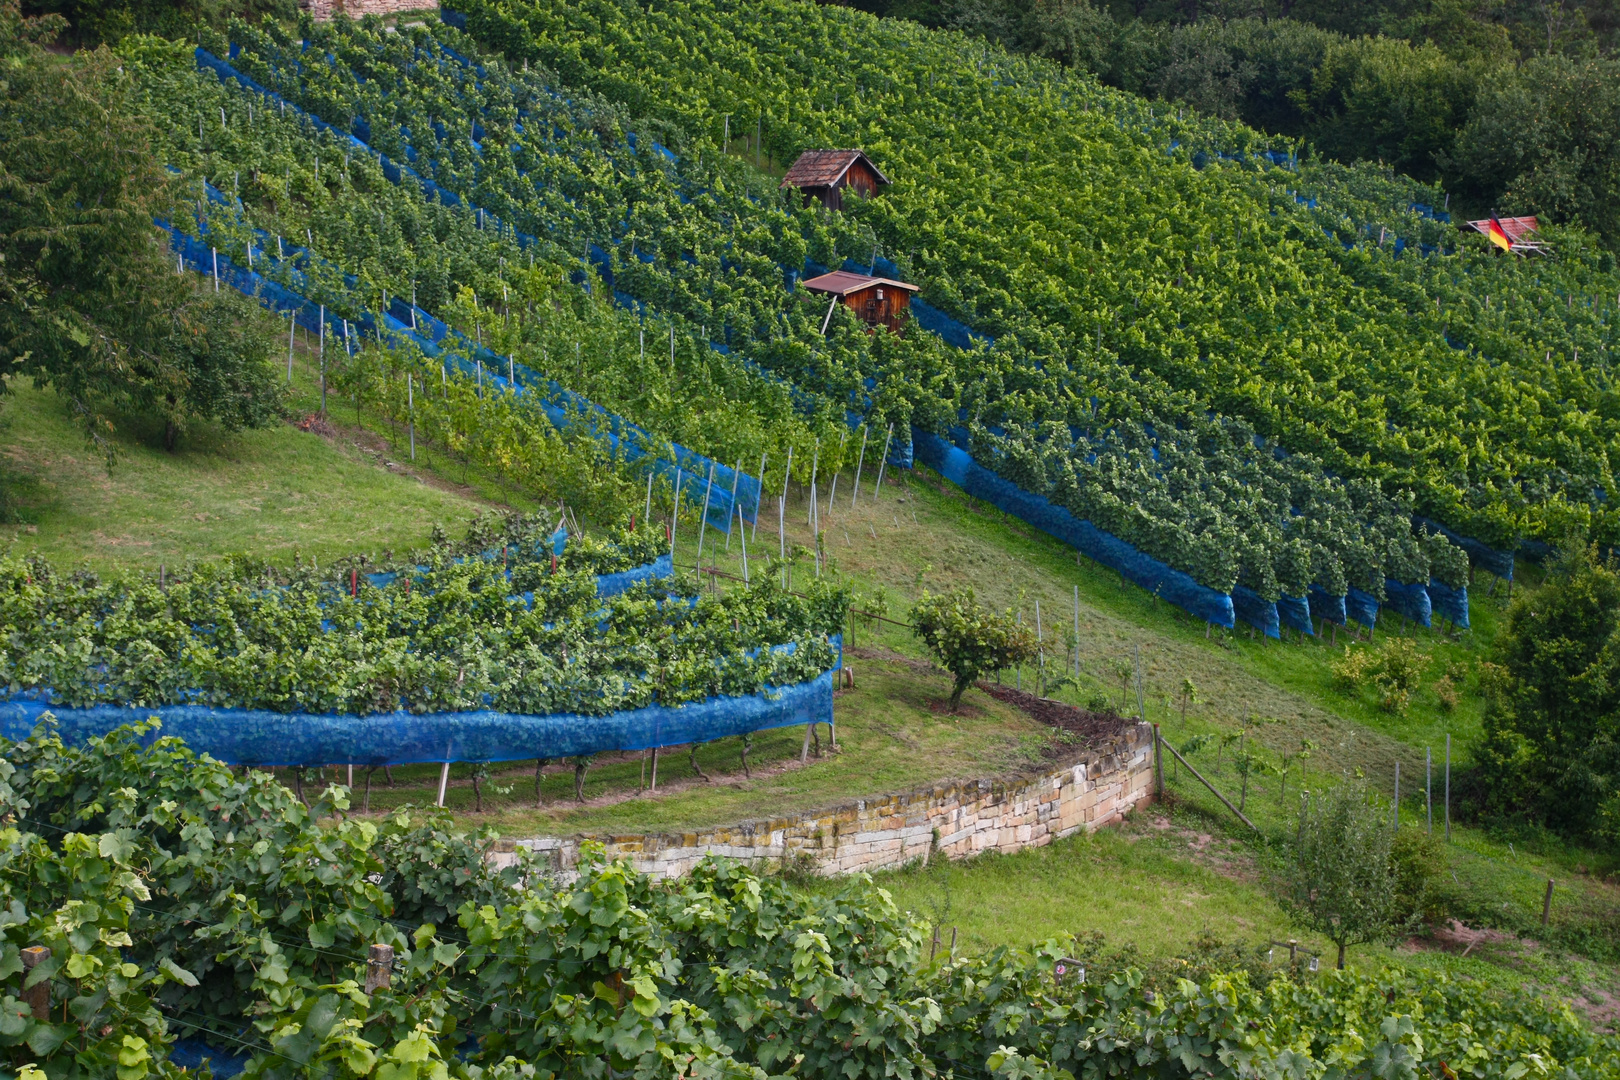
column 1224, row 543
column 511, row 628
column 1037, row 206
column 192, row 913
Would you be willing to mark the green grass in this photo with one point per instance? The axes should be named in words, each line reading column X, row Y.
column 276, row 492
column 890, row 738
column 923, row 534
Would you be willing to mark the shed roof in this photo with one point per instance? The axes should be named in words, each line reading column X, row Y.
column 842, row 283
column 820, row 168
column 1518, row 229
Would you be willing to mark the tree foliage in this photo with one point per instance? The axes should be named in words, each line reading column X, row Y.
column 1551, row 752
column 180, row 899
column 93, row 308
column 969, row 639
column 1339, row 878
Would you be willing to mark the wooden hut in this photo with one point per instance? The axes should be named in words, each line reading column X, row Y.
column 876, row 301
column 825, row 174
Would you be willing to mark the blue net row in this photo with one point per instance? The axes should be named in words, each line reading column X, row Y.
column 1173, row 585
column 263, row 738
column 690, row 469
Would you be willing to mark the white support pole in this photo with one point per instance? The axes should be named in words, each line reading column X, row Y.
column 410, row 410
column 292, row 329
column 859, row 462
column 322, row 354
column 444, row 781
column 215, row 253
column 878, row 489
column 648, row 515
column 832, row 490
column 736, row 478
column 759, row 503
column 742, row 528
column 704, row 519
column 815, row 463
column 1040, row 648
column 675, row 516
column 1077, row 631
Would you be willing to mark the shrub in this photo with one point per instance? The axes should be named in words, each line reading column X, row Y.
column 968, row 638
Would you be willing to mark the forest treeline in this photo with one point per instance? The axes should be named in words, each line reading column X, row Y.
column 1513, row 105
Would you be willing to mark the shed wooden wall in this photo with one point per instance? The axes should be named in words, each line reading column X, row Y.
column 861, row 177
column 886, row 312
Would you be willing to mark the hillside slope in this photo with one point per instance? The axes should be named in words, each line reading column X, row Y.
column 1137, row 256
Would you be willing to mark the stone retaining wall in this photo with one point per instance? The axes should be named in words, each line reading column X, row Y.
column 1097, row 787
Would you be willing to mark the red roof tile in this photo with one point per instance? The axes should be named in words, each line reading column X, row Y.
column 842, row 283
column 822, row 168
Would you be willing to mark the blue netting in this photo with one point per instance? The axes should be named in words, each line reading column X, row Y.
column 613, row 584
column 1151, row 574
column 1409, row 600
column 1323, row 606
column 191, row 1053
column 1258, row 613
column 263, row 738
column 1452, row 603
column 560, row 405
column 1295, row 613
column 1481, row 555
column 1361, row 607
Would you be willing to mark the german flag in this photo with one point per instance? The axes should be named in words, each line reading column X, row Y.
column 1499, row 235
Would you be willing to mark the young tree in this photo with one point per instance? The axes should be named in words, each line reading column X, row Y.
column 1339, row 879
column 968, row 638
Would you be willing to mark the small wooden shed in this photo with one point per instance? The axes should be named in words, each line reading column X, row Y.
column 824, row 174
column 876, row 301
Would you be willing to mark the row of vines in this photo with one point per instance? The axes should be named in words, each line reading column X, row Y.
column 178, row 899
column 1069, row 220
column 513, row 629
column 1221, row 527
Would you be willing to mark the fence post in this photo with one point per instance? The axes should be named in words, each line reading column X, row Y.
column 877, row 485
column 38, row 996
column 1158, row 763
column 379, row 968
column 1397, row 824
column 1546, row 903
column 321, row 353
column 444, row 782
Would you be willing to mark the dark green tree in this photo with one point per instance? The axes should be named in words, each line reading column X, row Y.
column 1550, row 752
column 91, row 304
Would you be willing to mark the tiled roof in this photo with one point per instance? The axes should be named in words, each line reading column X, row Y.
column 842, row 283
column 821, row 168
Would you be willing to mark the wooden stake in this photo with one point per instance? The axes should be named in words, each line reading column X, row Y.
column 379, row 968
column 859, row 462
column 878, row 490
column 38, row 996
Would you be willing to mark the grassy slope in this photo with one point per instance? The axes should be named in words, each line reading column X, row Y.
column 275, row 492
column 889, row 737
column 283, row 490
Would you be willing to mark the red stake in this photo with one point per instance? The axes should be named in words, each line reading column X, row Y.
column 554, row 564
column 354, row 583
